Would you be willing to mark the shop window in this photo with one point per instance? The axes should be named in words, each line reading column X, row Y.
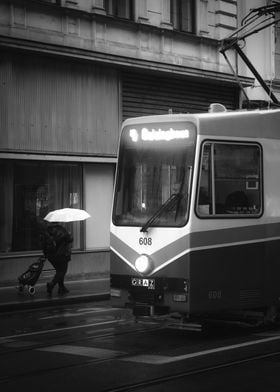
column 182, row 15
column 29, row 191
column 230, row 180
column 119, row 8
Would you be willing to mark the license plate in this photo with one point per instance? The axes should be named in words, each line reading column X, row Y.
column 148, row 283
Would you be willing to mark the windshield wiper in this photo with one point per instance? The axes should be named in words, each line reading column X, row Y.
column 168, row 204
column 181, row 190
column 174, row 199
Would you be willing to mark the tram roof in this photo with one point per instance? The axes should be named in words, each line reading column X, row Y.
column 239, row 123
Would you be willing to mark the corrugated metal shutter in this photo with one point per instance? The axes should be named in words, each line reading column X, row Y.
column 144, row 94
column 57, row 106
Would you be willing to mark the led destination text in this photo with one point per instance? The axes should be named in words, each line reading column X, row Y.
column 158, row 134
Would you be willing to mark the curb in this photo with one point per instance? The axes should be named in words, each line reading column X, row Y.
column 48, row 302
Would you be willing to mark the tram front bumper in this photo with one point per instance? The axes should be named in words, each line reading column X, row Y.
column 148, row 295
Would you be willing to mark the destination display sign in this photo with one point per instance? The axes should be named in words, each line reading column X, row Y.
column 153, row 134
column 161, row 133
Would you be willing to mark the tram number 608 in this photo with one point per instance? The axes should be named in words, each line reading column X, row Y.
column 215, row 294
column 145, row 241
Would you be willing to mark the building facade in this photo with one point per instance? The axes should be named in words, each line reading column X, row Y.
column 70, row 73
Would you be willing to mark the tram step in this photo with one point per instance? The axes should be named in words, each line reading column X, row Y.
column 149, row 310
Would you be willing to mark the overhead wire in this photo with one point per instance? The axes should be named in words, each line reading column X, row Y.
column 251, row 24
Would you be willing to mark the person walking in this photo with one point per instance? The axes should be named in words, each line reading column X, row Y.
column 57, row 246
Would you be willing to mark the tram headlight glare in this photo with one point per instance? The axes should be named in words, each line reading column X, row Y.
column 143, row 264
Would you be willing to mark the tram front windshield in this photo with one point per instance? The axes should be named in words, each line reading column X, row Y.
column 154, row 172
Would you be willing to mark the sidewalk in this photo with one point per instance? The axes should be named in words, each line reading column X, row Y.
column 79, row 291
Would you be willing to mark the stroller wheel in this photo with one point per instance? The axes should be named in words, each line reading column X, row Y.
column 31, row 290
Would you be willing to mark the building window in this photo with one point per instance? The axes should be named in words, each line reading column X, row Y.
column 230, row 180
column 119, row 8
column 29, row 191
column 182, row 15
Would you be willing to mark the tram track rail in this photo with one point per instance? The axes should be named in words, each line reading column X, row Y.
column 87, row 362
column 176, row 376
column 68, row 340
column 151, row 382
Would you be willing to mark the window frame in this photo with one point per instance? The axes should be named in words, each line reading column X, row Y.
column 177, row 5
column 120, row 170
column 212, row 142
column 47, row 168
column 112, row 7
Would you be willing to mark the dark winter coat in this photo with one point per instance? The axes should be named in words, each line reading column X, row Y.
column 57, row 244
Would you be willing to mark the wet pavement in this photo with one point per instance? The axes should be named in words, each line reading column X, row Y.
column 86, row 290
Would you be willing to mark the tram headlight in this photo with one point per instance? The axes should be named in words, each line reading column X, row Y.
column 143, row 264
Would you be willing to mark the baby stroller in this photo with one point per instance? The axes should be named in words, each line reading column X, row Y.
column 29, row 278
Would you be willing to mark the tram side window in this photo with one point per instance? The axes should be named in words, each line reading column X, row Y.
column 229, row 181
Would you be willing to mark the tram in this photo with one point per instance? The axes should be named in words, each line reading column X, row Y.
column 196, row 214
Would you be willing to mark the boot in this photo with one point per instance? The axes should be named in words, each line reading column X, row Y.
column 49, row 288
column 62, row 290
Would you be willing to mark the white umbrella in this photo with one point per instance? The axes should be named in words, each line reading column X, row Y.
column 67, row 215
